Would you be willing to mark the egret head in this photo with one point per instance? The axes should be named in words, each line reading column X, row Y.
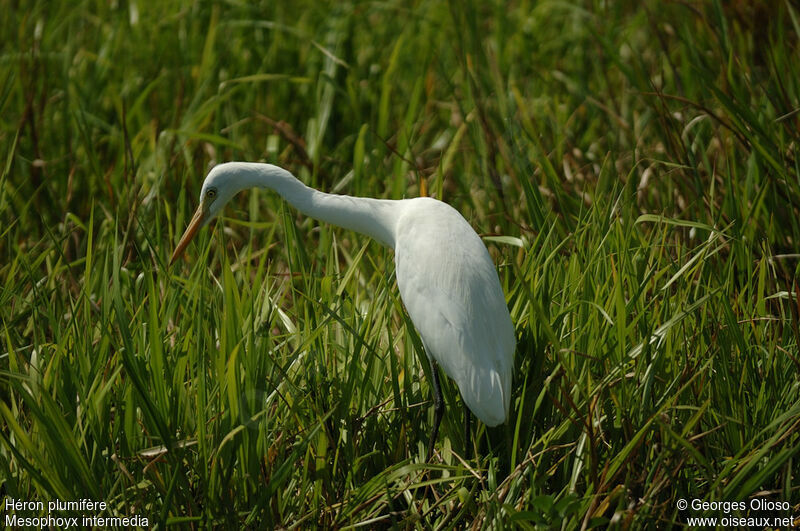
column 219, row 187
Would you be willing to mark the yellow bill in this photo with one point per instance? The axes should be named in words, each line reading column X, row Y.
column 194, row 225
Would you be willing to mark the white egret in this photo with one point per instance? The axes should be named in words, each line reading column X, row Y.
column 446, row 278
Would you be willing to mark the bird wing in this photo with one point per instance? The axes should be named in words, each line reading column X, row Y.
column 451, row 291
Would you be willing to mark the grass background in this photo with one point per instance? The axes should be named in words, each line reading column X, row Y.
column 633, row 168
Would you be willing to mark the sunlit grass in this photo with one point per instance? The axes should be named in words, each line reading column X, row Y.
column 633, row 170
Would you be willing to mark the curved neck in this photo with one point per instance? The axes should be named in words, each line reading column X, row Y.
column 375, row 218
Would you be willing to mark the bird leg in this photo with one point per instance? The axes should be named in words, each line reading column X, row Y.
column 467, row 440
column 438, row 406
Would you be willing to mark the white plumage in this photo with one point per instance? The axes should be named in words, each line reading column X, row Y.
column 446, row 277
column 451, row 291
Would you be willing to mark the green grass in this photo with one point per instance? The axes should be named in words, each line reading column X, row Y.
column 633, row 170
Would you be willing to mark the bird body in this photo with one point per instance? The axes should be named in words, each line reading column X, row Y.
column 446, row 277
column 450, row 288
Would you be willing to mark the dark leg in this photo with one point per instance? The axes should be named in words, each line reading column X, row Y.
column 438, row 407
column 467, row 438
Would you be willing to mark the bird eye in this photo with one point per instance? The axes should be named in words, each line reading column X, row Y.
column 211, row 194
